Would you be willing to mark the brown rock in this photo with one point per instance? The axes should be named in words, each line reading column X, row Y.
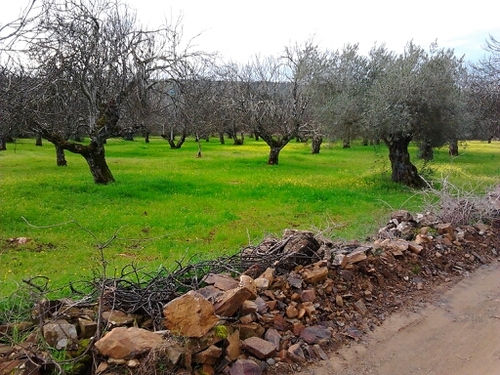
column 273, row 336
column 315, row 334
column 314, row 274
column 339, row 300
column 296, row 353
column 19, row 367
column 356, row 256
column 118, row 318
column 250, row 330
column 233, row 349
column 415, row 248
column 269, row 275
column 210, row 292
column 209, row 355
column 258, row 347
column 280, row 323
column 245, row 367
column 446, row 228
column 401, row 216
column 249, row 283
column 248, row 318
column 87, row 328
column 308, row 295
column 319, row 353
column 231, row 301
column 261, row 283
column 221, row 281
column 248, row 307
column 262, row 306
column 298, row 327
column 190, row 315
column 360, row 307
column 127, row 343
column 205, row 370
column 303, row 243
column 291, row 311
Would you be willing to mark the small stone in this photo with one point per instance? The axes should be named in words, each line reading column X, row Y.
column 314, row 334
column 249, row 283
column 245, row 367
column 273, row 336
column 360, row 307
column 258, row 347
column 308, row 295
column 296, row 353
column 133, row 363
column 209, row 355
column 233, row 350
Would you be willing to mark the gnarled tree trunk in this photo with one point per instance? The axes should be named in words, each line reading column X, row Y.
column 316, row 144
column 403, row 171
column 453, row 147
column 425, row 151
column 95, row 157
column 60, row 157
column 38, row 141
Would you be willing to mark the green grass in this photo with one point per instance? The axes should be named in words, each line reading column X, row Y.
column 167, row 205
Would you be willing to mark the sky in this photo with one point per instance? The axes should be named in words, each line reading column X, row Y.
column 240, row 29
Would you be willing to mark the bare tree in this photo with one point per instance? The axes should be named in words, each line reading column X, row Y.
column 274, row 98
column 98, row 46
column 484, row 87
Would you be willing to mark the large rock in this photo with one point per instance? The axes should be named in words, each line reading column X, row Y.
column 127, row 343
column 231, row 301
column 302, row 246
column 190, row 315
column 59, row 334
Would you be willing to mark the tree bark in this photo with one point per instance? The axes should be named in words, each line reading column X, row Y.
column 95, row 157
column 3, row 144
column 60, row 157
column 274, row 155
column 425, row 151
column 316, row 143
column 346, row 143
column 403, row 171
column 238, row 141
column 38, row 141
column 453, row 147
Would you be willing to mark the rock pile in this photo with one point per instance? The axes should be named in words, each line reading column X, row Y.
column 272, row 317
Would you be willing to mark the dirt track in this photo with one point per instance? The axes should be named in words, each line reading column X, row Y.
column 457, row 334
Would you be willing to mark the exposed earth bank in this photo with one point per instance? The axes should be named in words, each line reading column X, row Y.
column 457, row 332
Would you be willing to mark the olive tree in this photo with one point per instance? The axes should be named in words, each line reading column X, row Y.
column 412, row 98
column 339, row 89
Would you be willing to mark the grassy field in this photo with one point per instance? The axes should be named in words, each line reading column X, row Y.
column 167, row 205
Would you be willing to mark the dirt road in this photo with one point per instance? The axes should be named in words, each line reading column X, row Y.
column 457, row 334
